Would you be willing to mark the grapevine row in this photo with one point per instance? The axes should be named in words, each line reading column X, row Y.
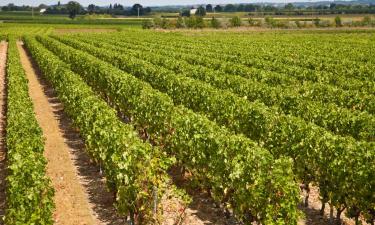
column 29, row 193
column 315, row 152
column 360, row 125
column 282, row 52
column 132, row 168
column 237, row 172
column 353, row 100
column 224, row 52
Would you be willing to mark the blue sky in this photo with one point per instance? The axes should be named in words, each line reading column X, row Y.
column 143, row 2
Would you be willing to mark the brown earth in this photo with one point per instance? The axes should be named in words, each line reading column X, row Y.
column 80, row 194
column 312, row 212
column 3, row 58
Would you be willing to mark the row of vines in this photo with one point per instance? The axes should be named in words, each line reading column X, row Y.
column 322, row 121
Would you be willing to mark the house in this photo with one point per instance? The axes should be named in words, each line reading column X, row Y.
column 193, row 11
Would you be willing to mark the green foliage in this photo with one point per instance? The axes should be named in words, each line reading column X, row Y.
column 366, row 20
column 73, row 8
column 29, row 191
column 235, row 21
column 201, row 11
column 147, row 24
column 319, row 156
column 133, row 169
column 180, row 23
column 235, row 169
column 199, row 22
column 338, row 21
column 215, row 23
column 252, row 22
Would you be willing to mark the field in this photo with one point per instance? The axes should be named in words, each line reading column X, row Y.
column 116, row 124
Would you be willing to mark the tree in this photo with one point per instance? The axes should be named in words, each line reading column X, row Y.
column 209, row 8
column 338, row 21
column 185, row 13
column 289, row 6
column 73, row 8
column 201, row 11
column 215, row 23
column 137, row 8
column 91, row 8
column 250, row 8
column 229, row 8
column 235, row 21
column 58, row 3
column 218, row 8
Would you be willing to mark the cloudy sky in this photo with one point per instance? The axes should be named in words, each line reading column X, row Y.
column 143, row 2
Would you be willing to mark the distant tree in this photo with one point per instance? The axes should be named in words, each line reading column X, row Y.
column 201, row 11
column 229, row 8
column 240, row 8
column 91, row 8
column 215, row 23
column 269, row 8
column 73, row 8
column 289, row 6
column 137, row 8
column 218, row 8
column 209, row 8
column 58, row 3
column 250, row 8
column 235, row 21
column 338, row 21
column 185, row 13
column 42, row 6
column 147, row 10
column 118, row 7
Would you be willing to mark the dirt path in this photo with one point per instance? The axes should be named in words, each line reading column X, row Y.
column 72, row 198
column 3, row 58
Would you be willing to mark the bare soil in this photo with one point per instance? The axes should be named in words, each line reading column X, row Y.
column 312, row 212
column 80, row 194
column 3, row 58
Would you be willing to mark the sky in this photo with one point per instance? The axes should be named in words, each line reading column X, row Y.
column 143, row 2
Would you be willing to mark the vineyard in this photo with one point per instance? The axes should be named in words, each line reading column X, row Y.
column 257, row 121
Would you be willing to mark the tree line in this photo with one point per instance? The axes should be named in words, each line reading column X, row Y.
column 74, row 8
column 287, row 9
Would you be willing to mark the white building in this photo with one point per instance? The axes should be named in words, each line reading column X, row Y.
column 193, row 11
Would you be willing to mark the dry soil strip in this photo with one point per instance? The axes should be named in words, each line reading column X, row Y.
column 72, row 204
column 3, row 59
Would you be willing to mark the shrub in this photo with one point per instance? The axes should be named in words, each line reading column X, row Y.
column 147, row 24
column 180, row 23
column 235, row 21
column 215, row 23
column 338, row 21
